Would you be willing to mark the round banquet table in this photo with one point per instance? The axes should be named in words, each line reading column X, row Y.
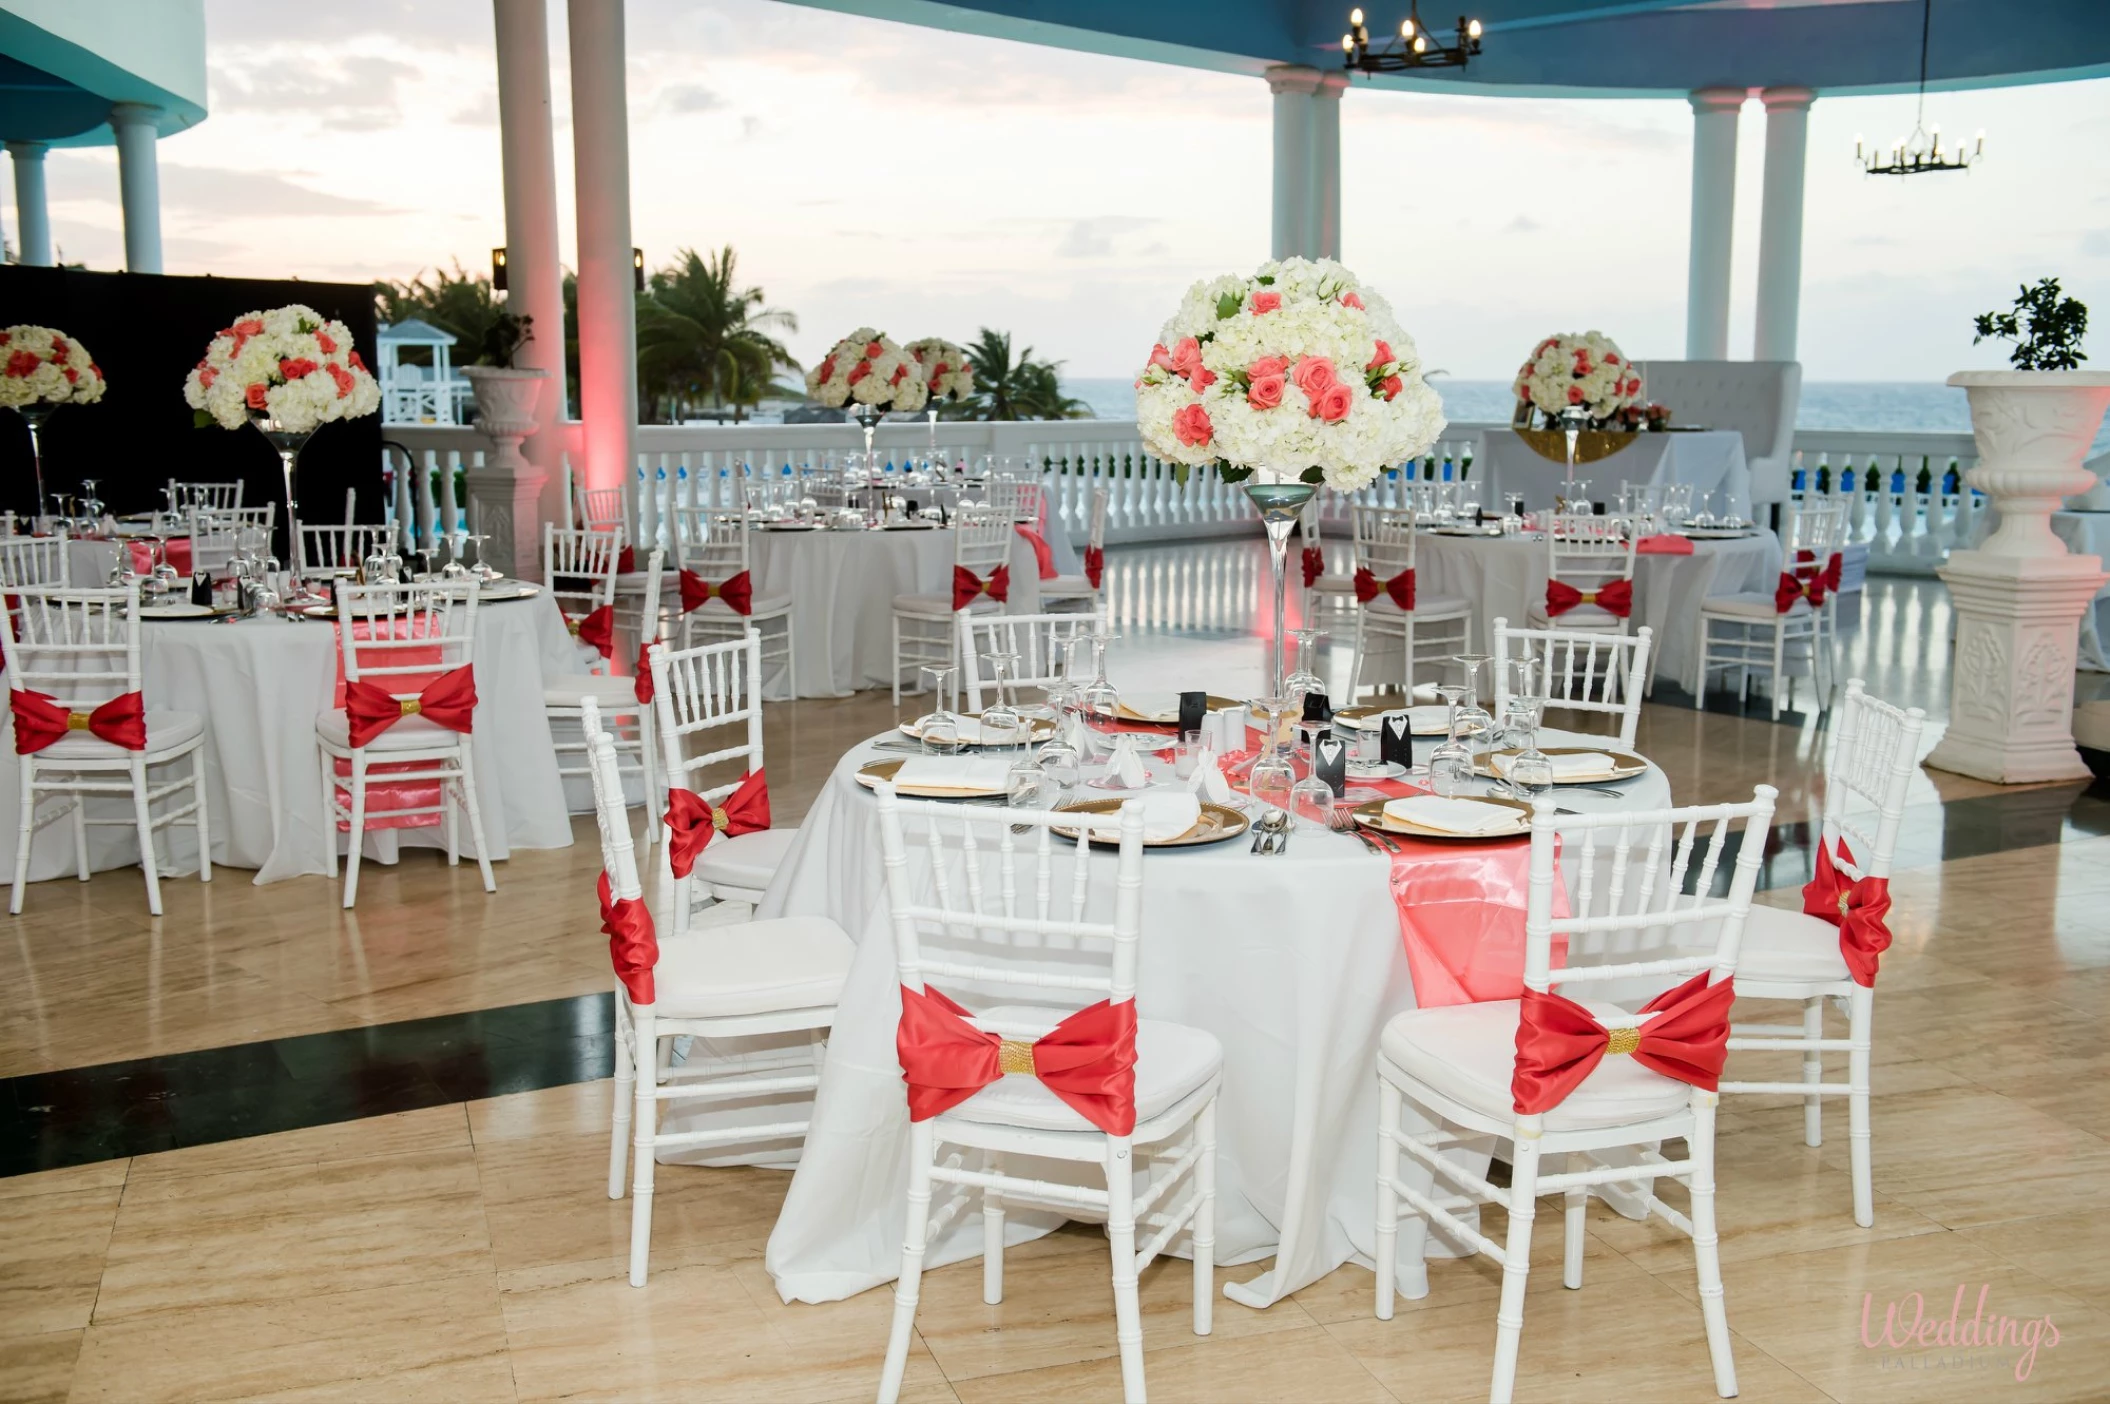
column 1711, row 460
column 1505, row 575
column 1294, row 963
column 259, row 684
column 842, row 586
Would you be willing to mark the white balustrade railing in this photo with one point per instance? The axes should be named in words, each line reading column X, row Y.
column 1903, row 491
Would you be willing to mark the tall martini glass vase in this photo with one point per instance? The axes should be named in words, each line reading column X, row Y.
column 34, row 416
column 1279, row 499
column 288, row 443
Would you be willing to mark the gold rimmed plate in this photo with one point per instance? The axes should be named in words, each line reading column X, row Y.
column 1218, row 824
column 1042, row 729
column 1624, row 766
column 872, row 772
column 1124, row 712
column 1371, row 815
column 1424, row 718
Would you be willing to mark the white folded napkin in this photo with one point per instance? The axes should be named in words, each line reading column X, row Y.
column 1208, row 782
column 1168, row 813
column 1583, row 765
column 1126, row 762
column 1152, row 706
column 1452, row 816
column 954, row 772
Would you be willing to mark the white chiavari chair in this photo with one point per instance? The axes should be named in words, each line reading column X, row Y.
column 1465, row 1067
column 35, row 560
column 1769, row 631
column 713, row 549
column 756, row 980
column 709, row 701
column 1819, row 555
column 327, row 552
column 213, row 497
column 925, row 634
column 1321, row 590
column 1427, row 628
column 1088, row 589
column 217, row 535
column 1035, row 641
column 977, row 914
column 1579, row 670
column 411, row 645
column 74, row 692
column 1589, row 574
column 579, row 571
column 1802, row 956
column 602, row 509
column 579, row 567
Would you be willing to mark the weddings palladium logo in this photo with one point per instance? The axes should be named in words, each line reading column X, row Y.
column 1914, row 1338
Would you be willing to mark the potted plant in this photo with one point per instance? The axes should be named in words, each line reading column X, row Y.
column 506, row 394
column 2034, row 423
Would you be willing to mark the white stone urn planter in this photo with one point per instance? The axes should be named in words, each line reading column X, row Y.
column 505, row 492
column 2019, row 596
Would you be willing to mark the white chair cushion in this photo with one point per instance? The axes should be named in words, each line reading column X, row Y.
column 1583, row 616
column 1788, row 946
column 573, row 688
column 409, row 734
column 751, row 967
column 165, row 732
column 1334, row 585
column 1426, row 607
column 1759, row 607
column 718, row 610
column 1064, row 586
column 745, row 860
column 1468, row 1052
column 1171, row 1061
column 939, row 606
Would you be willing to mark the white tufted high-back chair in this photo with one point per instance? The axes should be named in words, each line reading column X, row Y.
column 1755, row 398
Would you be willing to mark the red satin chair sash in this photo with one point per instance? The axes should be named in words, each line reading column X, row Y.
column 596, row 629
column 1314, row 565
column 1614, row 597
column 966, row 585
column 738, row 592
column 642, row 684
column 1792, row 588
column 41, row 720
column 633, row 947
column 1400, row 588
column 449, row 701
column 692, row 821
column 1043, row 553
column 626, row 561
column 1094, row 565
column 1088, row 1060
column 1560, row 1043
column 1859, row 907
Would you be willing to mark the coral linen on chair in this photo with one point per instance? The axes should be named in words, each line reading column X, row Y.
column 1615, row 597
column 1088, row 1060
column 692, row 822
column 450, row 701
column 596, row 630
column 1095, row 565
column 633, row 948
column 1400, row 587
column 1791, row 589
column 1857, row 908
column 41, row 721
column 1559, row 1043
column 966, row 586
column 738, row 592
column 1461, row 917
column 1042, row 551
column 1314, row 565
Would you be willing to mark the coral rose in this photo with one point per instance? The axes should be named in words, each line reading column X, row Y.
column 323, row 341
column 1382, row 355
column 1187, row 358
column 1265, row 302
column 1575, row 395
column 1267, row 366
column 23, row 363
column 860, row 371
column 340, row 377
column 1265, row 392
column 872, row 350
column 1333, row 403
column 1349, row 299
column 255, row 397
column 206, row 376
column 1391, row 385
column 294, row 367
column 1192, row 425
column 1159, row 356
column 1313, row 375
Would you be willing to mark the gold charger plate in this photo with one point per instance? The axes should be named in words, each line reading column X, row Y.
column 1212, row 702
column 1624, row 766
column 1218, row 823
column 1354, row 716
column 1371, row 815
column 1041, row 729
column 1591, row 445
column 873, row 771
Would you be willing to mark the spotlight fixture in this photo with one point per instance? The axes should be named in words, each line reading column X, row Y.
column 1921, row 153
column 498, row 270
column 1416, row 46
column 637, row 268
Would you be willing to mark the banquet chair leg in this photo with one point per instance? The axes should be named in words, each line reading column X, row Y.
column 78, row 815
column 1575, row 1204
column 476, row 818
column 1121, row 1236
column 329, row 810
column 357, row 843
column 644, row 1043
column 1861, row 1012
column 648, row 741
column 1388, row 1099
column 897, row 663
column 25, row 833
column 908, row 1285
column 625, row 1090
column 1813, row 1071
column 1781, row 681
column 1355, row 661
column 145, row 818
column 1205, row 1222
column 1509, row 1316
column 199, row 825
column 992, row 1233
column 1706, row 1250
column 450, row 822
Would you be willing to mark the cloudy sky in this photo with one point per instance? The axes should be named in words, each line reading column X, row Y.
column 932, row 183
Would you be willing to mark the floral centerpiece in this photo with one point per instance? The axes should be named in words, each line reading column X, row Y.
column 1566, row 373
column 946, row 372
column 42, row 368
column 1287, row 379
column 869, row 370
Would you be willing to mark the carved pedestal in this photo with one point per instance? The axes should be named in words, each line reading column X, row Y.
column 505, row 492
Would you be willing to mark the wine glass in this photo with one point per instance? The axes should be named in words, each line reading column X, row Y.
column 1305, row 679
column 941, row 734
column 1528, row 772
column 1272, row 776
column 939, row 676
column 1100, row 698
column 1062, row 765
column 1312, row 798
column 482, row 569
column 1472, row 719
column 1002, row 724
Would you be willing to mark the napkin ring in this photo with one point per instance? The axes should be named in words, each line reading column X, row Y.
column 1015, row 1056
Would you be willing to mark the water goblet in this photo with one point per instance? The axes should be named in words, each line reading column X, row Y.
column 1451, row 769
column 939, row 676
column 1305, row 679
column 1187, row 754
column 1312, row 798
column 1062, row 765
column 1026, row 785
column 1002, row 725
column 941, row 734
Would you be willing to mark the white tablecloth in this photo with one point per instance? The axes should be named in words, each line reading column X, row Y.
column 259, row 685
column 1712, row 460
column 1504, row 576
column 842, row 586
column 1294, row 963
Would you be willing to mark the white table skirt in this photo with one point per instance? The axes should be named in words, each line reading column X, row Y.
column 1504, row 576
column 842, row 586
column 1294, row 963
column 259, row 685
column 1712, row 460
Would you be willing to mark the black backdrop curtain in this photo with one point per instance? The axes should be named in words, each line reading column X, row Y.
column 146, row 331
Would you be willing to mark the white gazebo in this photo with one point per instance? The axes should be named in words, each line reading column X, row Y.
column 413, row 393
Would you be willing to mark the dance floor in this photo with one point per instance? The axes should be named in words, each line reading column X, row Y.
column 267, row 1148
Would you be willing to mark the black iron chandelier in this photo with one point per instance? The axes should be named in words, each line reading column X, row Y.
column 1920, row 153
column 1416, row 47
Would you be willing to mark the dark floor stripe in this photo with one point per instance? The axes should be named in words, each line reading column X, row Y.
column 56, row 1119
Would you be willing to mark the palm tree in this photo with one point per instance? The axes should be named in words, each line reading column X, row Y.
column 458, row 301
column 1020, row 389
column 702, row 339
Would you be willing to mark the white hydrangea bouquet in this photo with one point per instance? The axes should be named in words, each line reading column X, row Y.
column 867, row 369
column 946, row 372
column 1586, row 372
column 291, row 368
column 44, row 366
column 1296, row 373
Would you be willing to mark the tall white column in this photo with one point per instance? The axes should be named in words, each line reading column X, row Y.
column 1714, row 118
column 1325, row 229
column 139, row 183
column 607, row 306
column 1293, row 87
column 534, row 278
column 1780, row 222
column 30, row 210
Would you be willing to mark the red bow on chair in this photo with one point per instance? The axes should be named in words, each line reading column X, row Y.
column 1094, row 565
column 1857, row 908
column 642, row 685
column 40, row 721
column 692, row 822
column 626, row 561
column 596, row 629
column 737, row 591
column 966, row 585
column 1088, row 1060
column 633, row 949
column 1834, row 569
column 1791, row 589
column 1314, row 565
column 1400, row 587
column 1559, row 1043
column 1614, row 597
column 449, row 701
